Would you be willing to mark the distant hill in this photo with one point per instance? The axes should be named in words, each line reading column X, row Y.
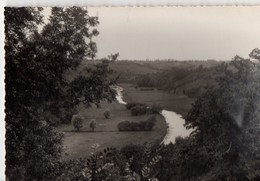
column 187, row 77
column 129, row 70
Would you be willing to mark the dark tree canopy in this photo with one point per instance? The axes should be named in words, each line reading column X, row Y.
column 226, row 122
column 36, row 89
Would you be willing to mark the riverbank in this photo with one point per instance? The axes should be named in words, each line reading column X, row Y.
column 80, row 144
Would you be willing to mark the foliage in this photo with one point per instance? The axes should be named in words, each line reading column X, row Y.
column 107, row 165
column 111, row 164
column 77, row 121
column 137, row 126
column 93, row 87
column 35, row 87
column 113, row 57
column 93, row 124
column 130, row 105
column 191, row 79
column 142, row 108
column 156, row 109
column 94, row 168
column 226, row 122
column 180, row 161
column 65, row 114
column 107, row 114
column 66, row 35
column 32, row 144
column 138, row 110
column 143, row 160
column 255, row 54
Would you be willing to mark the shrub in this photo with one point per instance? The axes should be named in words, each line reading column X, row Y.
column 104, row 165
column 107, row 114
column 137, row 126
column 77, row 121
column 149, row 123
column 138, row 110
column 156, row 109
column 132, row 150
column 124, row 126
column 130, row 105
column 194, row 92
column 93, row 124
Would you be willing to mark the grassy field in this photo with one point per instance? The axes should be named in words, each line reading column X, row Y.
column 79, row 144
column 178, row 102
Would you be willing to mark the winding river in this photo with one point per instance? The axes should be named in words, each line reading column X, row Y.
column 175, row 121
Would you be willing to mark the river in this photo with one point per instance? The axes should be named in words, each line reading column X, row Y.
column 175, row 121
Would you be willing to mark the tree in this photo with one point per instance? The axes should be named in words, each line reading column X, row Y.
column 77, row 121
column 32, row 145
column 35, row 65
column 255, row 54
column 17, row 29
column 71, row 31
column 113, row 57
column 63, row 43
column 226, row 122
column 92, row 87
column 107, row 113
column 93, row 124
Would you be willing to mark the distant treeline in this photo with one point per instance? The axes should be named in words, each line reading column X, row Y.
column 181, row 80
column 128, row 70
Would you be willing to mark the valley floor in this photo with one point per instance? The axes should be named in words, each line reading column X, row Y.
column 81, row 144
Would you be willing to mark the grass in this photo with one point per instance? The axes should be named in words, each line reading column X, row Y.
column 79, row 144
column 178, row 102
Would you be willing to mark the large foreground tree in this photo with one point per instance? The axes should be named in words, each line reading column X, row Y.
column 35, row 65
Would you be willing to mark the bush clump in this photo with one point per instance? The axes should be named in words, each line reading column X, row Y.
column 137, row 126
column 138, row 110
column 130, row 105
column 141, row 108
column 107, row 114
column 156, row 109
column 77, row 121
column 93, row 124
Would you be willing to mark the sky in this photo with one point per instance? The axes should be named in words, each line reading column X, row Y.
column 180, row 33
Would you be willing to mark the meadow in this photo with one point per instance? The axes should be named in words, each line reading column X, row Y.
column 82, row 143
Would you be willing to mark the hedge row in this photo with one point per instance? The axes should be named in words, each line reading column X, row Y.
column 130, row 105
column 138, row 110
column 141, row 108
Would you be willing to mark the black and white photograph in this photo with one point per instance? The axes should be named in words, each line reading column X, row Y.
column 132, row 93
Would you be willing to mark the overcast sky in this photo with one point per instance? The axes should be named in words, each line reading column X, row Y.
column 177, row 32
column 181, row 33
